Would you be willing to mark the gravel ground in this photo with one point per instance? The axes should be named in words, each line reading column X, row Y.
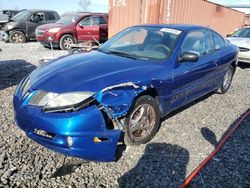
column 231, row 163
column 177, row 149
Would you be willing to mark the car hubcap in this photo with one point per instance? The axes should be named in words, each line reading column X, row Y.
column 227, row 79
column 142, row 121
column 67, row 42
column 17, row 38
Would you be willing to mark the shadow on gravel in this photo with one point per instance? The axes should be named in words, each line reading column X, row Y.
column 230, row 167
column 162, row 165
column 243, row 65
column 13, row 71
column 68, row 168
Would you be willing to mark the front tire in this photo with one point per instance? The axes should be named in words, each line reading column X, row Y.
column 142, row 121
column 66, row 42
column 227, row 80
column 17, row 37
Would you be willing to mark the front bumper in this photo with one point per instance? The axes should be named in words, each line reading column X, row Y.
column 4, row 36
column 244, row 56
column 46, row 39
column 83, row 128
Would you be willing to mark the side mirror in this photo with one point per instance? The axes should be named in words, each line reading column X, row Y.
column 188, row 57
column 228, row 35
column 81, row 26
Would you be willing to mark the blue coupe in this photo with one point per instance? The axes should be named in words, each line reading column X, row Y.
column 85, row 105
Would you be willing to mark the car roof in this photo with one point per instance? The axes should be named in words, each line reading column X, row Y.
column 88, row 14
column 10, row 10
column 182, row 27
column 37, row 10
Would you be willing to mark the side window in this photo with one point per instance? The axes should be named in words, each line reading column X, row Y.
column 198, row 42
column 218, row 41
column 56, row 16
column 98, row 20
column 85, row 22
column 50, row 16
column 37, row 17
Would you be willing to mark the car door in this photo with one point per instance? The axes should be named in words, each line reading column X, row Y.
column 103, row 27
column 91, row 29
column 32, row 22
column 84, row 30
column 191, row 80
column 224, row 56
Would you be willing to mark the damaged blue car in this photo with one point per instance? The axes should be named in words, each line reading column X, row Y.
column 85, row 105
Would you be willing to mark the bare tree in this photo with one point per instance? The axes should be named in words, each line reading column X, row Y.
column 84, row 4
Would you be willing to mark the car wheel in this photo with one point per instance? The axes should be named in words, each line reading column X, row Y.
column 227, row 80
column 66, row 42
column 17, row 37
column 142, row 122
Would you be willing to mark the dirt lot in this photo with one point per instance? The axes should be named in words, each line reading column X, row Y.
column 176, row 150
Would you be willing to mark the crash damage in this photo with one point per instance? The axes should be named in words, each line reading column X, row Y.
column 114, row 102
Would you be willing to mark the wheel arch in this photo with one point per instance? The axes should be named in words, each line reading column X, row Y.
column 153, row 92
column 234, row 64
column 17, row 29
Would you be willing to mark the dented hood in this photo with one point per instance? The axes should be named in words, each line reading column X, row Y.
column 93, row 72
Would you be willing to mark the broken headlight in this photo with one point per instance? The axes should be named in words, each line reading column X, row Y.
column 53, row 102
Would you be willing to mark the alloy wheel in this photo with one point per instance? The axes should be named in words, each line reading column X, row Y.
column 142, row 121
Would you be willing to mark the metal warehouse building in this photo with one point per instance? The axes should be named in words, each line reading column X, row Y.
column 125, row 13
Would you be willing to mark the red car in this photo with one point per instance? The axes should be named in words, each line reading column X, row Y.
column 74, row 28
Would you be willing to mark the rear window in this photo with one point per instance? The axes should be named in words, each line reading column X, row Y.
column 50, row 16
column 68, row 20
column 219, row 42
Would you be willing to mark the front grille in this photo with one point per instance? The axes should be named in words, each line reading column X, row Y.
column 25, row 86
column 243, row 49
column 44, row 133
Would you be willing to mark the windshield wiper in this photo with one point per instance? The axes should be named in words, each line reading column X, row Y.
column 122, row 54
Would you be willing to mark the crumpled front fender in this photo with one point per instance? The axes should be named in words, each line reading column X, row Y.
column 118, row 98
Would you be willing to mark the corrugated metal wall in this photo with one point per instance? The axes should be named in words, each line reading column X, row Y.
column 125, row 13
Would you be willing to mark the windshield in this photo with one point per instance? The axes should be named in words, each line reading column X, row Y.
column 21, row 15
column 244, row 33
column 68, row 20
column 143, row 42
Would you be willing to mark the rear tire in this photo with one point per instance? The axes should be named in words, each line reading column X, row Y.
column 66, row 42
column 17, row 37
column 227, row 80
column 142, row 121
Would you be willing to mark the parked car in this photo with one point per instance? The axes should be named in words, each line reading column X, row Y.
column 5, row 15
column 74, row 28
column 83, row 104
column 241, row 38
column 10, row 13
column 22, row 26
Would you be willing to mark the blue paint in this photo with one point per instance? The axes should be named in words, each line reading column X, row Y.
column 108, row 76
